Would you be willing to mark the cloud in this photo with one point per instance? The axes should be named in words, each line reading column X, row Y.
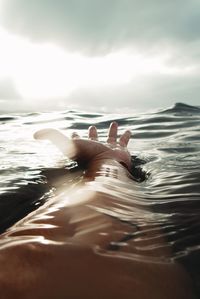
column 8, row 90
column 10, row 100
column 97, row 26
column 144, row 93
column 90, row 28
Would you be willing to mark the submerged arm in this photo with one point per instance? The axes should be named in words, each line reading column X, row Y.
column 61, row 251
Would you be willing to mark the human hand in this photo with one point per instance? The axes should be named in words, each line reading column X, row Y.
column 86, row 151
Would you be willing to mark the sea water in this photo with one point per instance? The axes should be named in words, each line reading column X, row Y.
column 165, row 145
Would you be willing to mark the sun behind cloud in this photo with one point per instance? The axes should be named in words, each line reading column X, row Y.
column 45, row 71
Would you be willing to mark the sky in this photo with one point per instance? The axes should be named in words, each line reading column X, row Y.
column 109, row 55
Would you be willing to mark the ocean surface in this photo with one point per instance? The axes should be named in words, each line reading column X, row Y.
column 165, row 145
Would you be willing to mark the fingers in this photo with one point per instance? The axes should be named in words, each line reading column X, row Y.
column 124, row 139
column 112, row 133
column 92, row 133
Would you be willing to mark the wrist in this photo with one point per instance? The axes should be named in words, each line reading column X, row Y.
column 106, row 168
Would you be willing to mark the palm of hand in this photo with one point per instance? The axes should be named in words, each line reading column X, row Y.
column 91, row 149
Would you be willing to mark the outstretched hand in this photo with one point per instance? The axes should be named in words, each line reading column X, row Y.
column 86, row 151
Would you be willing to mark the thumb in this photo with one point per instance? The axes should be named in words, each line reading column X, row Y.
column 62, row 142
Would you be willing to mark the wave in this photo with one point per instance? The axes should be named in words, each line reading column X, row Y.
column 181, row 108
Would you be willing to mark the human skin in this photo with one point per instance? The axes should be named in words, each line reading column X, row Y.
column 62, row 250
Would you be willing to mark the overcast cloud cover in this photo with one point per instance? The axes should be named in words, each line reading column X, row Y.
column 96, row 28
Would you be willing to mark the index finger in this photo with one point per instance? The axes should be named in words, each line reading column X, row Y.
column 92, row 133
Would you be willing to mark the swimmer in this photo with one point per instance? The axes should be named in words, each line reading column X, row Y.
column 63, row 250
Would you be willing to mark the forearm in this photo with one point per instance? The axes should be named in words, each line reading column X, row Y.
column 51, row 263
